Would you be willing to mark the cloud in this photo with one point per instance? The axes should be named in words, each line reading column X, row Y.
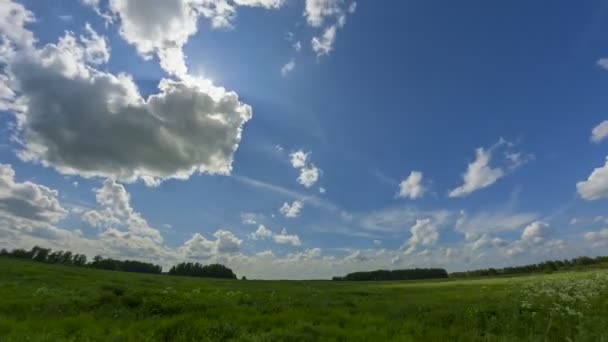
column 198, row 247
column 424, row 233
column 392, row 220
column 603, row 63
column 412, row 187
column 479, row 174
column 261, row 3
column 299, row 159
column 117, row 211
column 27, row 201
column 536, row 232
column 293, row 210
column 251, row 218
column 599, row 132
column 597, row 239
column 188, row 126
column 13, row 18
column 493, row 221
column 309, row 173
column 285, row 239
column 317, row 12
column 288, row 67
column 323, row 45
column 261, row 233
column 596, row 185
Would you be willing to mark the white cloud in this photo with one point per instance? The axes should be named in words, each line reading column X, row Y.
column 323, row 45
column 322, row 190
column 116, row 210
column 536, row 232
column 261, row 3
column 13, row 19
column 412, row 186
column 261, row 233
column 317, row 12
column 251, row 218
column 299, row 159
column 492, row 221
column 377, row 242
column 309, row 175
column 603, row 63
column 96, row 49
column 424, row 233
column 600, row 132
column 597, row 239
column 189, row 126
column 297, row 46
column 596, row 186
column 285, row 239
column 288, row 67
column 293, row 210
column 198, row 247
column 479, row 174
column 27, row 201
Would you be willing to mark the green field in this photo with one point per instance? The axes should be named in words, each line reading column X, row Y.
column 40, row 302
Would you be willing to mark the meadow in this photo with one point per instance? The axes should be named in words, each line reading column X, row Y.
column 42, row 302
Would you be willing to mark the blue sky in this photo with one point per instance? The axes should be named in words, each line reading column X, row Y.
column 305, row 139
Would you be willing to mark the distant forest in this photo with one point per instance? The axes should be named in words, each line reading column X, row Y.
column 48, row 256
column 546, row 267
column 408, row 274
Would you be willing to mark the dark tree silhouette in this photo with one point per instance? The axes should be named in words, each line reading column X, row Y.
column 198, row 270
column 408, row 274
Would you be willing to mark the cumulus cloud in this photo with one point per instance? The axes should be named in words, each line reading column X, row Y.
column 116, row 210
column 412, row 186
column 424, row 233
column 251, row 218
column 479, row 174
column 598, row 238
column 288, row 67
column 536, row 232
column 318, row 12
column 293, row 210
column 188, row 126
column 27, row 200
column 286, row 239
column 261, row 233
column 309, row 173
column 198, row 247
column 13, row 19
column 299, row 159
column 282, row 238
column 600, row 132
column 596, row 185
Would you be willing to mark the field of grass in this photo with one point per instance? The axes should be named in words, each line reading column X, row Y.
column 40, row 302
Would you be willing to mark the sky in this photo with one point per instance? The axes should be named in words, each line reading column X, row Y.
column 304, row 139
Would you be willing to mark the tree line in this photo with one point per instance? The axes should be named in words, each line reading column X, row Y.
column 406, row 274
column 46, row 255
column 546, row 266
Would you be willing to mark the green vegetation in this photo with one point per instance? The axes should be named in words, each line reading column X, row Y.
column 543, row 267
column 411, row 274
column 53, row 302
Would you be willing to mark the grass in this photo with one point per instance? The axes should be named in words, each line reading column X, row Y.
column 40, row 302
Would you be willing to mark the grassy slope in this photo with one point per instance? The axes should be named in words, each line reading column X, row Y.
column 51, row 302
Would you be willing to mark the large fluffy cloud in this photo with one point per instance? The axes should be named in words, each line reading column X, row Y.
column 598, row 238
column 83, row 121
column 596, row 186
column 198, row 247
column 536, row 232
